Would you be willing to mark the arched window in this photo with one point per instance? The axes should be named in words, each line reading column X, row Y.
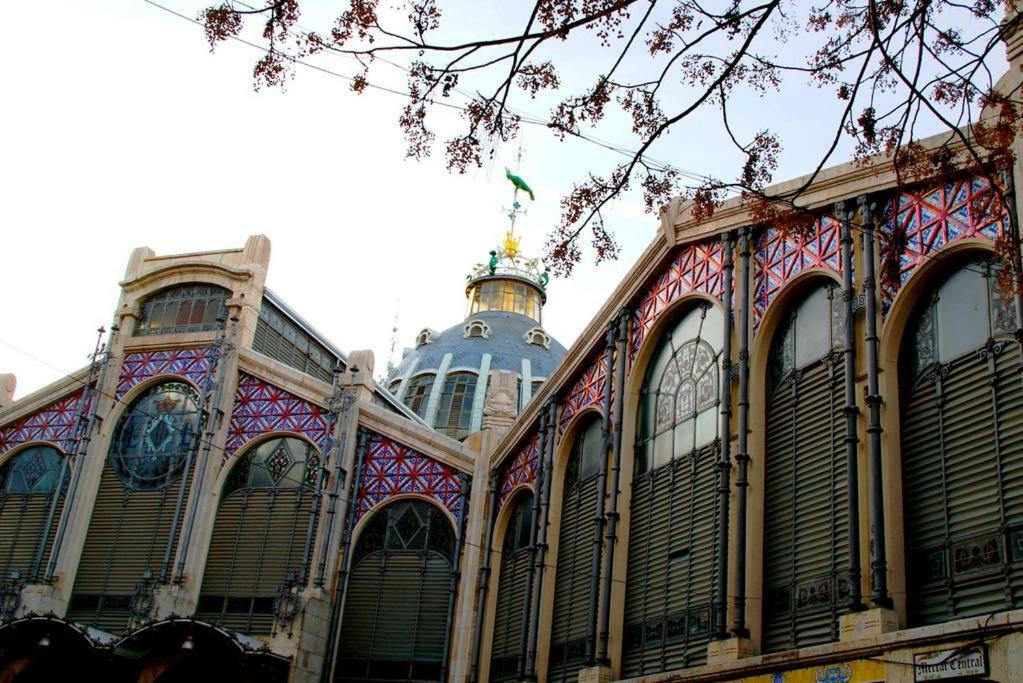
column 477, row 328
column 575, row 553
column 262, row 534
column 962, row 450
column 671, row 537
column 418, row 393
column 536, row 335
column 395, row 617
column 454, row 413
column 508, row 648
column 28, row 482
column 183, row 308
column 139, row 504
column 806, row 555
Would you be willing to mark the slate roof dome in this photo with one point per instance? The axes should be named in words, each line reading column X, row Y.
column 444, row 377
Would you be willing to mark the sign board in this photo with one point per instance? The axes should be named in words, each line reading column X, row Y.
column 950, row 664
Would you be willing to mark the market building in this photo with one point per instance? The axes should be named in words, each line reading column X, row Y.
column 758, row 462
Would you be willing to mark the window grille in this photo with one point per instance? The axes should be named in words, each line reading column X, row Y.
column 184, row 308
column 508, row 647
column 418, row 393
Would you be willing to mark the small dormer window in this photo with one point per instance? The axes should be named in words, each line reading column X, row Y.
column 477, row 328
column 425, row 336
column 537, row 336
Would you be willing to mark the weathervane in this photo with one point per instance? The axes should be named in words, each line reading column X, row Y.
column 511, row 242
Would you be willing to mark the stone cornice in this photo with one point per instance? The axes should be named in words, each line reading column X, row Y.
column 41, row 398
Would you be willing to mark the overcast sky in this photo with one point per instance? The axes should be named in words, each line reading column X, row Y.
column 119, row 129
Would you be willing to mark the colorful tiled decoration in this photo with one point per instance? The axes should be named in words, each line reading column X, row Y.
column 391, row 469
column 935, row 216
column 778, row 258
column 522, row 468
column 587, row 390
column 261, row 408
column 53, row 423
column 696, row 268
column 190, row 363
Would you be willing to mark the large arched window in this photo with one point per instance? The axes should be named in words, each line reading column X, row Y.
column 417, row 394
column 962, row 450
column 575, row 553
column 262, row 535
column 508, row 645
column 395, row 615
column 28, row 483
column 454, row 413
column 671, row 533
column 806, row 558
column 139, row 504
column 184, row 308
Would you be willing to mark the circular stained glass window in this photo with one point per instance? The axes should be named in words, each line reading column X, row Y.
column 154, row 437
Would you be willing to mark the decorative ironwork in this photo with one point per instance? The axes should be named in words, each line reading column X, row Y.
column 262, row 408
column 696, row 268
column 814, row 593
column 934, row 216
column 522, row 468
column 143, row 599
column 392, row 469
column 779, row 257
column 287, row 603
column 10, row 594
column 587, row 390
column 194, row 364
column 54, row 423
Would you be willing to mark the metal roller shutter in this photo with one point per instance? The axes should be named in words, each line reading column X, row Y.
column 22, row 521
column 671, row 564
column 806, row 511
column 572, row 581
column 258, row 539
column 962, row 450
column 128, row 533
column 512, row 591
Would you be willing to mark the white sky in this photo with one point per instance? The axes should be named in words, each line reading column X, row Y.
column 119, row 129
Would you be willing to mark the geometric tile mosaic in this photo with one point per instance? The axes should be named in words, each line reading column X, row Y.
column 777, row 259
column 53, row 423
column 587, row 390
column 190, row 363
column 392, row 469
column 937, row 215
column 262, row 408
column 696, row 268
column 522, row 468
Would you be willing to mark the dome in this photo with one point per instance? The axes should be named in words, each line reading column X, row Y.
column 444, row 378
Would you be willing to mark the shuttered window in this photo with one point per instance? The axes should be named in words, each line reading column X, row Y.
column 279, row 338
column 395, row 615
column 454, row 413
column 806, row 559
column 259, row 544
column 962, row 451
column 134, row 514
column 674, row 517
column 508, row 646
column 418, row 393
column 575, row 555
column 32, row 483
